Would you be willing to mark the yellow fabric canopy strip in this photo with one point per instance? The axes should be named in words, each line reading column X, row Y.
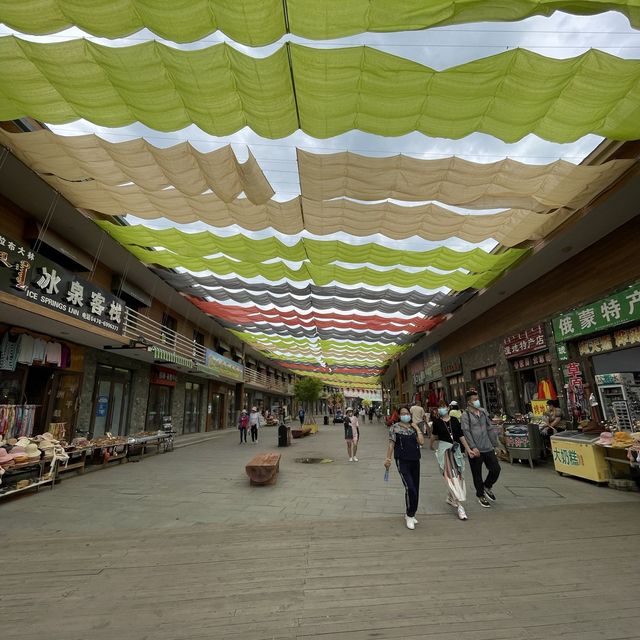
column 222, row 90
column 259, row 22
column 453, row 181
column 74, row 159
column 321, row 275
column 320, row 252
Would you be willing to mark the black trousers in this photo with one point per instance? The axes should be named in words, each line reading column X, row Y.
column 490, row 461
column 243, row 435
column 254, row 433
column 409, row 471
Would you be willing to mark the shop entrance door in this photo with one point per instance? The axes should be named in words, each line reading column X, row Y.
column 192, row 400
column 63, row 404
column 215, row 411
column 111, row 401
column 489, row 395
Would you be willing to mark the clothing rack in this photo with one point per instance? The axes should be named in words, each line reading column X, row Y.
column 17, row 420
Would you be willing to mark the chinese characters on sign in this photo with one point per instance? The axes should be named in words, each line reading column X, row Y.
column 568, row 457
column 163, row 376
column 532, row 361
column 609, row 312
column 595, row 345
column 37, row 279
column 451, row 367
column 525, row 342
column 626, row 337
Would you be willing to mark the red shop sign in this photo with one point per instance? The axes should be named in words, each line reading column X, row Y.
column 528, row 341
column 164, row 376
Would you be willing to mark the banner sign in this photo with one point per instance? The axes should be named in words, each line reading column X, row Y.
column 432, row 365
column 609, row 312
column 32, row 277
column 452, row 367
column 163, row 376
column 221, row 366
column 528, row 341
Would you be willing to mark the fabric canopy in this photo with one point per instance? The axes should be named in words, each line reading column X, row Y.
column 260, row 22
column 453, row 181
column 77, row 159
column 319, row 252
column 336, row 90
column 431, row 222
column 323, row 274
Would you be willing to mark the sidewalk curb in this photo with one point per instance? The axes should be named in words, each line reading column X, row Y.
column 206, row 437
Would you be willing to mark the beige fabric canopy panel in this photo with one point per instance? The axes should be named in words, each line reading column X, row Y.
column 189, row 171
column 455, row 181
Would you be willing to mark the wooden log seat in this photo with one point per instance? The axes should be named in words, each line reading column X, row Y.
column 301, row 433
column 263, row 469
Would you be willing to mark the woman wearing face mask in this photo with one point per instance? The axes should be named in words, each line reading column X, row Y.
column 448, row 442
column 405, row 440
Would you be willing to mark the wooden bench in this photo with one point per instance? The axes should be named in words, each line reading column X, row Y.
column 301, row 433
column 263, row 469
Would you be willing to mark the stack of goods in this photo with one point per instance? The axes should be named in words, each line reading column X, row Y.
column 622, row 440
column 108, row 441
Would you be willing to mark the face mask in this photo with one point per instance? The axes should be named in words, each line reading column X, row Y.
column 442, row 411
column 476, row 404
column 405, row 418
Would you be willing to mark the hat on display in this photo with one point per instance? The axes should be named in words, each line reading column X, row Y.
column 23, row 442
column 12, row 441
column 47, row 435
column 46, row 445
column 32, row 451
column 5, row 458
column 606, row 438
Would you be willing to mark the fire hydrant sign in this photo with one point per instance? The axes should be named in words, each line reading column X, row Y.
column 32, row 277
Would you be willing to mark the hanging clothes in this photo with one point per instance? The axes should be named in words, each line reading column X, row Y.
column 54, row 353
column 9, row 352
column 25, row 352
column 65, row 356
column 39, row 350
column 546, row 390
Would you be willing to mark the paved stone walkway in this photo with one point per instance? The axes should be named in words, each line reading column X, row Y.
column 180, row 547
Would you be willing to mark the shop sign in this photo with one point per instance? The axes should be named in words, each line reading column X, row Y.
column 221, row 366
column 532, row 361
column 627, row 337
column 432, row 365
column 601, row 315
column 528, row 341
column 418, row 378
column 32, row 277
column 452, row 367
column 538, row 408
column 562, row 351
column 164, row 376
column 595, row 345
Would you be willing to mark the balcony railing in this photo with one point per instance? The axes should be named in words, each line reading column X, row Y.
column 140, row 328
column 173, row 347
column 251, row 376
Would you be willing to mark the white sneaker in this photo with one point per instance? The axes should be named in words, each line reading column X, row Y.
column 451, row 501
column 410, row 523
column 415, row 520
column 462, row 514
column 350, row 459
column 355, row 459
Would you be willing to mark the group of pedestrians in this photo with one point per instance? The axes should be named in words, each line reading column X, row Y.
column 451, row 436
column 250, row 422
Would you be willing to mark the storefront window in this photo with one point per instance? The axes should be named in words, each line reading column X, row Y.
column 159, row 406
column 111, row 401
column 457, row 387
column 192, row 401
column 488, row 390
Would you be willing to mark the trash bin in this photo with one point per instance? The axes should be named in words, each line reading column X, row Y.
column 283, row 435
column 326, row 421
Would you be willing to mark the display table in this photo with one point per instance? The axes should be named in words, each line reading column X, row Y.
column 576, row 454
column 77, row 460
column 35, row 469
column 138, row 445
column 523, row 442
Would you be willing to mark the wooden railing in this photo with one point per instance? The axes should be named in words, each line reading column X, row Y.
column 251, row 376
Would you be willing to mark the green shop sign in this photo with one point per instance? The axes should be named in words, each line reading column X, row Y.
column 615, row 310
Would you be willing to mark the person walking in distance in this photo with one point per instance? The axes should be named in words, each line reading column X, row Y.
column 243, row 425
column 405, row 440
column 301, row 415
column 482, row 441
column 351, row 434
column 255, row 422
column 418, row 416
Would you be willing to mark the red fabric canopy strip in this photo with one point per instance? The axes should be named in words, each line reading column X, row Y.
column 252, row 314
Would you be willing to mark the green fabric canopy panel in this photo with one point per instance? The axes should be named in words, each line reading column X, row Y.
column 260, row 22
column 221, row 90
column 319, row 274
column 319, row 252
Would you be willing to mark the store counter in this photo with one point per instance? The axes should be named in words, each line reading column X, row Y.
column 575, row 454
